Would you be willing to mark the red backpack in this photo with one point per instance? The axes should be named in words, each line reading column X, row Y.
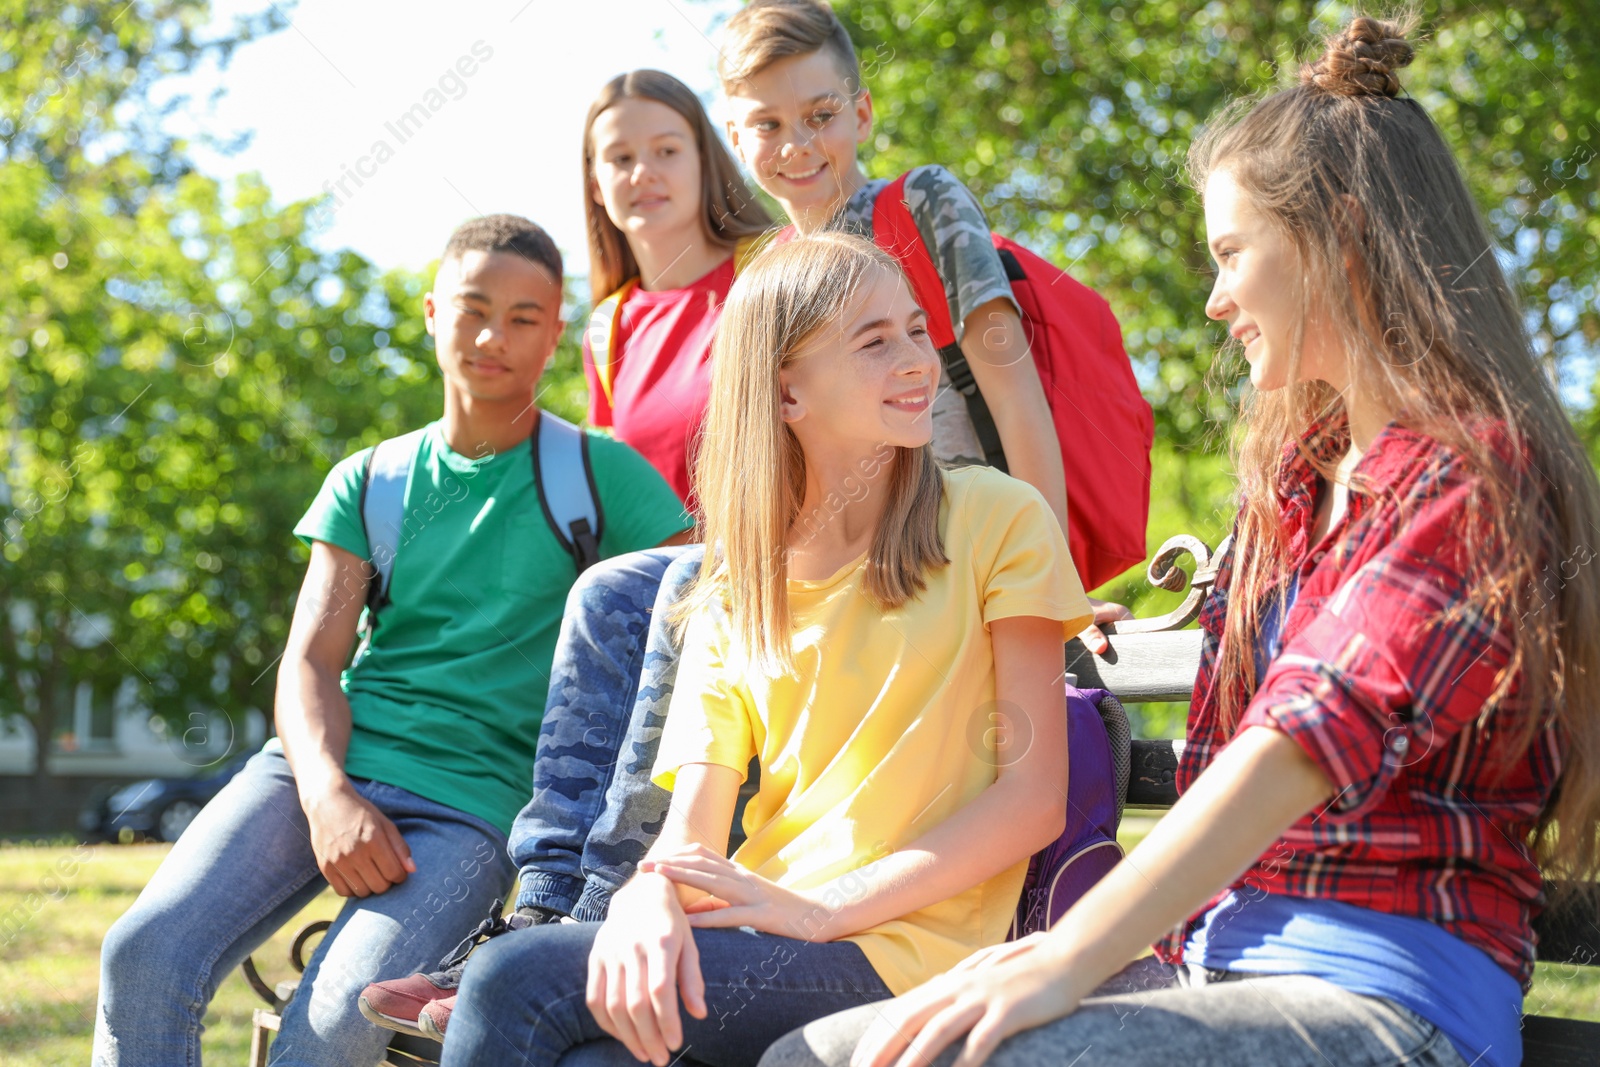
column 1102, row 420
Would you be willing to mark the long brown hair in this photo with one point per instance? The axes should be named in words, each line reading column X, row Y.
column 1394, row 250
column 729, row 210
column 750, row 496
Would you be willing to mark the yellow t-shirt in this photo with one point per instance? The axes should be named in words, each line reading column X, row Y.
column 885, row 730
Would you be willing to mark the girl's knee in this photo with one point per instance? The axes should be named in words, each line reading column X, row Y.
column 793, row 1050
column 827, row 1042
column 537, row 965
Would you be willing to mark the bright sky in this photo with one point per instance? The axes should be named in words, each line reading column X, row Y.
column 325, row 98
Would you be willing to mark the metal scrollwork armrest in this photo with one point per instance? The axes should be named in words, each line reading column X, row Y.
column 297, row 959
column 1164, row 573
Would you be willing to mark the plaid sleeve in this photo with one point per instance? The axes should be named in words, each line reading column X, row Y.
column 1393, row 665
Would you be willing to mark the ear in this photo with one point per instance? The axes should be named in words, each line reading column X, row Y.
column 549, row 354
column 863, row 116
column 790, row 407
column 733, row 141
column 594, row 192
column 428, row 312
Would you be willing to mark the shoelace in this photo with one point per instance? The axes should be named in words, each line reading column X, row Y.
column 493, row 926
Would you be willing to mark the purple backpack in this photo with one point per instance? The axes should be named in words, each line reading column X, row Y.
column 1097, row 746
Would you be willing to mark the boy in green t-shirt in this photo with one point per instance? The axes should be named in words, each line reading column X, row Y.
column 395, row 779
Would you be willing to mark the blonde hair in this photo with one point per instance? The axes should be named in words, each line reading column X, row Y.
column 750, row 496
column 765, row 31
column 729, row 211
column 1350, row 172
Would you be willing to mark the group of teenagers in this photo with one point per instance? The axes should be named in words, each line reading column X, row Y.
column 1393, row 730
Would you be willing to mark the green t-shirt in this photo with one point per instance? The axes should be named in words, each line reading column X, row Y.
column 447, row 700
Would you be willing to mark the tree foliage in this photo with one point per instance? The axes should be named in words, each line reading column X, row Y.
column 1071, row 121
column 182, row 369
column 181, row 365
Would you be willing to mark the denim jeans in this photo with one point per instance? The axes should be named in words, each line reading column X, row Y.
column 523, row 999
column 594, row 811
column 243, row 869
column 1155, row 1013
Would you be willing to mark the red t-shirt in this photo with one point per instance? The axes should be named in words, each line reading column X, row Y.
column 661, row 372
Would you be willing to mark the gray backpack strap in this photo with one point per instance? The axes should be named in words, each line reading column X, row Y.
column 567, row 495
column 383, row 508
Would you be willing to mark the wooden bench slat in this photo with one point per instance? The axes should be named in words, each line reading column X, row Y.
column 1140, row 668
column 1550, row 1041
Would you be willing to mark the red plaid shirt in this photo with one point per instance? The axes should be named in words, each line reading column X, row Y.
column 1389, row 702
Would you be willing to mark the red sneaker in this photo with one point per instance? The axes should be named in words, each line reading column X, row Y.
column 434, row 1017
column 398, row 1003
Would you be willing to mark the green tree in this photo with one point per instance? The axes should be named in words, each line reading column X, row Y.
column 1071, row 122
column 182, row 368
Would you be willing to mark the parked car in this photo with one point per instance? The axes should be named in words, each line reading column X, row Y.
column 156, row 809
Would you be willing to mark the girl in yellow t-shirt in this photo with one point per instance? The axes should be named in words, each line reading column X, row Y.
column 885, row 638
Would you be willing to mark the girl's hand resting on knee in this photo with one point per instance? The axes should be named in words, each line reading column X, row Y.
column 738, row 897
column 1015, row 987
column 643, row 958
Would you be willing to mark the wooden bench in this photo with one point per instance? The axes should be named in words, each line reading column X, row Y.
column 1150, row 660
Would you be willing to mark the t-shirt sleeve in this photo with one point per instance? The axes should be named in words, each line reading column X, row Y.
column 599, row 406
column 335, row 514
column 1023, row 559
column 956, row 233
column 1393, row 666
column 641, row 509
column 710, row 718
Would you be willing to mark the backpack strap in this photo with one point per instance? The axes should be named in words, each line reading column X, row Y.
column 895, row 231
column 748, row 248
column 564, row 475
column 604, row 321
column 384, row 480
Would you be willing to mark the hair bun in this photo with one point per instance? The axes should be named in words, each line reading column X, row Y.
column 1362, row 60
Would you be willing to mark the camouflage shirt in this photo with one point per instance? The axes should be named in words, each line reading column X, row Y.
column 956, row 234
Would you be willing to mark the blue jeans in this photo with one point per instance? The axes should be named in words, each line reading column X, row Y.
column 522, row 1001
column 1155, row 1013
column 243, row 869
column 594, row 811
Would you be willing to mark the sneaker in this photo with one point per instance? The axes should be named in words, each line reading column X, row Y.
column 396, row 1004
column 434, row 1017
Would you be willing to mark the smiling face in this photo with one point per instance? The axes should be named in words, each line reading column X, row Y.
column 646, row 168
column 796, row 125
column 1256, row 292
column 866, row 378
column 495, row 318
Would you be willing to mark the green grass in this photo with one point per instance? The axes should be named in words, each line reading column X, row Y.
column 56, row 903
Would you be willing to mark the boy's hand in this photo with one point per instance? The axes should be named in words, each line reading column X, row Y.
column 1104, row 611
column 739, row 897
column 358, row 849
column 643, row 956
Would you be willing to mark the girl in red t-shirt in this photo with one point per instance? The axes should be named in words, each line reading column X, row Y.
column 666, row 211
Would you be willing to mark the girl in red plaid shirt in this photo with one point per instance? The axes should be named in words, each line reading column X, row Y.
column 1400, row 658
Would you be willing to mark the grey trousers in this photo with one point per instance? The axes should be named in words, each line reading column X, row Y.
column 1155, row 1013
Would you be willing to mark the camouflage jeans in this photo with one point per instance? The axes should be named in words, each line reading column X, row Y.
column 594, row 811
